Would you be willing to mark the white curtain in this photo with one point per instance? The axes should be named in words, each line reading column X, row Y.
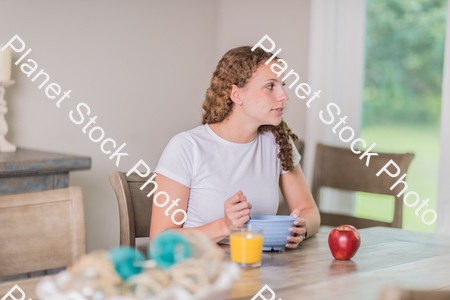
column 336, row 52
column 443, row 204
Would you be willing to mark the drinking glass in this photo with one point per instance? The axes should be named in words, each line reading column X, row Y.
column 246, row 244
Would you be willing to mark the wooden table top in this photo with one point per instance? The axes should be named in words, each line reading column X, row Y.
column 387, row 257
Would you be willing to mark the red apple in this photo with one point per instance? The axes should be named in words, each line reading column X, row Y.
column 344, row 241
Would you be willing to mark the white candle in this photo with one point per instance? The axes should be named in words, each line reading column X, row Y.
column 5, row 64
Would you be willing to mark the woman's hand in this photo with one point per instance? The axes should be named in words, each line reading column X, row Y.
column 299, row 231
column 237, row 210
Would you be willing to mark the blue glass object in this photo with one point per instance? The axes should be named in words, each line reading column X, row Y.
column 169, row 248
column 124, row 259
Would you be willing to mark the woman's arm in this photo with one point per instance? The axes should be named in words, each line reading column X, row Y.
column 216, row 230
column 301, row 203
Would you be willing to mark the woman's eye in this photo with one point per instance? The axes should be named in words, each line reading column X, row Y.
column 270, row 86
column 283, row 84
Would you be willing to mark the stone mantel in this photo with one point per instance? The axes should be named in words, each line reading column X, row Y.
column 28, row 170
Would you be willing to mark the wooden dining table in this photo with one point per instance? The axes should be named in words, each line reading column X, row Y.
column 387, row 257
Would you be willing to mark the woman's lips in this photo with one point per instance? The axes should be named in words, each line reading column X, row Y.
column 278, row 111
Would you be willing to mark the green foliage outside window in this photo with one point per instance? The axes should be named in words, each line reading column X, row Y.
column 404, row 61
column 402, row 97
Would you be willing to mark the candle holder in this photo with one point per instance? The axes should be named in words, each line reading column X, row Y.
column 5, row 146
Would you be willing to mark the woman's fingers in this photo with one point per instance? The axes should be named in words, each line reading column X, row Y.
column 239, row 203
column 300, row 223
column 238, row 214
column 237, row 209
column 242, row 213
column 239, row 206
column 294, row 241
column 239, row 198
column 298, row 230
column 295, row 213
column 237, row 220
column 236, row 198
column 241, row 221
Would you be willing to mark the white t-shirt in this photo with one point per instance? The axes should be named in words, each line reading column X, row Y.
column 215, row 169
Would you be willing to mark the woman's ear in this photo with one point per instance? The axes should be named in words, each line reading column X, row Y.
column 235, row 94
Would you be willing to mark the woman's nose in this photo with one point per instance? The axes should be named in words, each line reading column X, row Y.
column 283, row 95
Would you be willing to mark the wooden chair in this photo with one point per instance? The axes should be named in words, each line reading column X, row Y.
column 283, row 208
column 41, row 230
column 300, row 145
column 397, row 293
column 340, row 168
column 135, row 208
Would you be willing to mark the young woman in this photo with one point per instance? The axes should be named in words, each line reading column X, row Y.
column 230, row 167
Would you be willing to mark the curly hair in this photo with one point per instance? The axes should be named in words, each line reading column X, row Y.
column 237, row 67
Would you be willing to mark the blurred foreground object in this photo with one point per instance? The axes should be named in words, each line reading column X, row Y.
column 184, row 266
column 396, row 293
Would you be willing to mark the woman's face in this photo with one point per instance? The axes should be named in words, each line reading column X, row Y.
column 263, row 97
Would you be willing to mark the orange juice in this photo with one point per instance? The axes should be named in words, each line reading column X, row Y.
column 246, row 247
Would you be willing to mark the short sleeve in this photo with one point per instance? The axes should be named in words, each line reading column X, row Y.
column 296, row 158
column 176, row 161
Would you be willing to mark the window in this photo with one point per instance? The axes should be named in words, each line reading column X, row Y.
column 404, row 52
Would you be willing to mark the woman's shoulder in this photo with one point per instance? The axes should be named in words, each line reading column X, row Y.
column 268, row 140
column 190, row 136
column 268, row 137
column 198, row 131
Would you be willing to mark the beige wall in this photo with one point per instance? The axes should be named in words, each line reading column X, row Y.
column 287, row 23
column 143, row 68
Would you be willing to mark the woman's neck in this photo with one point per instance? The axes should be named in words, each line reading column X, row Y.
column 235, row 131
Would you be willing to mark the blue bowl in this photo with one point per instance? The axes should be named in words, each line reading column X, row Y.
column 276, row 229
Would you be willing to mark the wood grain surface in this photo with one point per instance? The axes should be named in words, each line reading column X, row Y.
column 387, row 257
column 41, row 230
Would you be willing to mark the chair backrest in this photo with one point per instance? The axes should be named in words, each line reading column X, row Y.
column 41, row 230
column 283, row 208
column 398, row 293
column 300, row 145
column 135, row 208
column 340, row 168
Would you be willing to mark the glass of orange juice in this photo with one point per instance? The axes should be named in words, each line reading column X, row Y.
column 246, row 244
